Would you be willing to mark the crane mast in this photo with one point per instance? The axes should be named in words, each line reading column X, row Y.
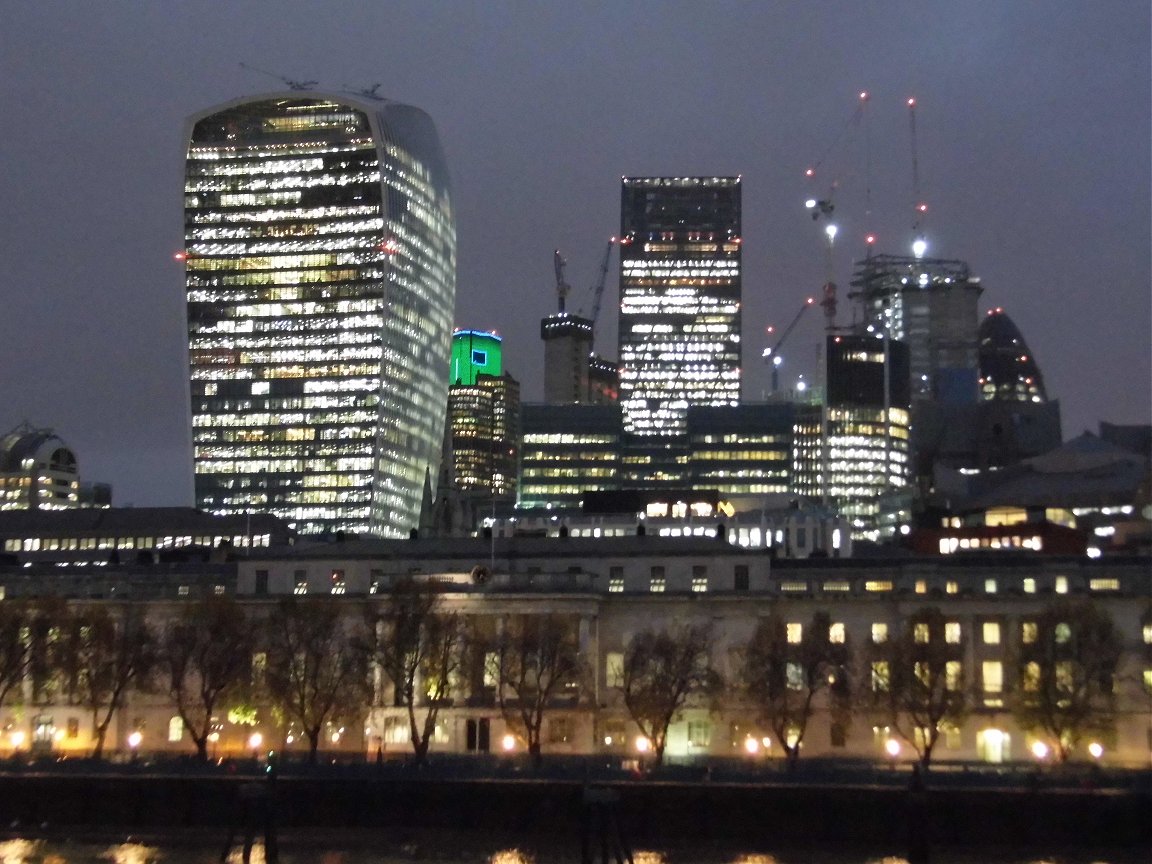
column 562, row 287
column 598, row 290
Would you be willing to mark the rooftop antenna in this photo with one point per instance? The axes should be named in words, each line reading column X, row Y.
column 292, row 84
column 367, row 92
column 919, row 241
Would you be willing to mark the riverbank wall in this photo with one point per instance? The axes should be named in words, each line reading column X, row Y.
column 651, row 811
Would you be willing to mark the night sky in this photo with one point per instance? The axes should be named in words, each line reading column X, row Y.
column 1033, row 124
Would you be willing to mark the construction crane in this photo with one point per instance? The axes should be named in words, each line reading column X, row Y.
column 598, row 288
column 772, row 353
column 562, row 287
column 292, row 84
column 919, row 241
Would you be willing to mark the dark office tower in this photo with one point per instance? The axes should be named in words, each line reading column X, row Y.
column 866, row 471
column 321, row 274
column 603, row 381
column 483, row 416
column 930, row 305
column 679, row 314
column 567, row 351
column 1008, row 371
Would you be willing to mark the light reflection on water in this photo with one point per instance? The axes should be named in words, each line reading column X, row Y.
column 133, row 853
column 26, row 851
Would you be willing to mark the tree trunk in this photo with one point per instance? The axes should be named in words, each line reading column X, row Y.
column 101, row 730
column 201, row 742
column 926, row 757
column 420, row 750
column 313, row 744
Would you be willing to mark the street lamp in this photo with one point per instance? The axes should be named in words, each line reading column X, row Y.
column 254, row 742
column 134, row 743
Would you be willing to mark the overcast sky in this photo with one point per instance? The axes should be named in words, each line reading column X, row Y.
column 1033, row 123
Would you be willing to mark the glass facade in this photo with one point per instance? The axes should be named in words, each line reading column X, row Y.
column 741, row 450
column 679, row 310
column 865, row 470
column 1008, row 370
column 321, row 276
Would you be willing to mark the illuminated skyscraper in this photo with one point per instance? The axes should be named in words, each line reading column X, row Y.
column 679, row 315
column 321, row 277
column 865, row 473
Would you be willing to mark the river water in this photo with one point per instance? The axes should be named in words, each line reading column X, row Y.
column 375, row 849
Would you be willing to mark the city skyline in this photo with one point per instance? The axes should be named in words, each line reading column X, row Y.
column 1033, row 155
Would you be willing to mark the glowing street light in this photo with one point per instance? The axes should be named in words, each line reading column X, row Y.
column 508, row 742
column 1095, row 749
column 751, row 746
column 831, row 230
column 892, row 747
column 1040, row 750
column 643, row 745
column 134, row 743
column 919, row 247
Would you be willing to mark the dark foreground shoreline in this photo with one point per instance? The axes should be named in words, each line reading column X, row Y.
column 652, row 812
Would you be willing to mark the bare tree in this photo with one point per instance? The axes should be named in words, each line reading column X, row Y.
column 45, row 630
column 784, row 672
column 106, row 657
column 15, row 650
column 315, row 670
column 417, row 646
column 919, row 683
column 663, row 671
column 206, row 657
column 537, row 660
column 1067, row 661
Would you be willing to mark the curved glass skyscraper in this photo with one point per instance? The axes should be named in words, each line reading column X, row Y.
column 321, row 275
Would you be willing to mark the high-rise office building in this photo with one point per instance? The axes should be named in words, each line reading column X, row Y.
column 860, row 462
column 679, row 315
column 930, row 305
column 567, row 353
column 483, row 416
column 320, row 257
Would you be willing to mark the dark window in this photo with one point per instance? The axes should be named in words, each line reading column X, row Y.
column 741, row 577
column 261, row 581
column 839, row 735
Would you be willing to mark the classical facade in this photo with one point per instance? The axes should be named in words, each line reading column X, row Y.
column 320, row 252
column 604, row 593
